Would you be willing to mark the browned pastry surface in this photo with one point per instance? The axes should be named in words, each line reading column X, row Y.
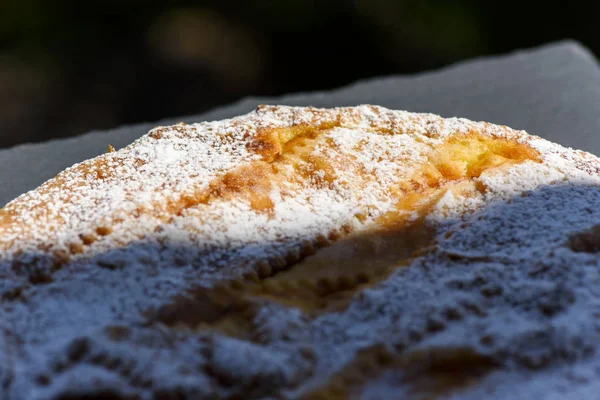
column 233, row 252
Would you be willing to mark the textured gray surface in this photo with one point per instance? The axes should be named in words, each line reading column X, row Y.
column 552, row 91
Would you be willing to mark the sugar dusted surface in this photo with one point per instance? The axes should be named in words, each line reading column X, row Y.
column 501, row 261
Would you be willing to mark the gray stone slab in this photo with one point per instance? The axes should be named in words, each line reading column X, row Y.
column 552, row 91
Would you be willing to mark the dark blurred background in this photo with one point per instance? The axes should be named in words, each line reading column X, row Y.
column 70, row 66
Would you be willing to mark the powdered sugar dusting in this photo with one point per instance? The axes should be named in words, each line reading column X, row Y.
column 501, row 279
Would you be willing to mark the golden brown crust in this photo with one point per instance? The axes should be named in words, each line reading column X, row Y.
column 30, row 219
column 295, row 208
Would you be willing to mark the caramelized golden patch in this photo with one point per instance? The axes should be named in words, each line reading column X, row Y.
column 270, row 143
column 451, row 167
column 280, row 148
column 252, row 183
column 426, row 374
column 468, row 156
column 6, row 217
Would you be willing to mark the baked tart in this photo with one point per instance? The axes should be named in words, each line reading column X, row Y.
column 305, row 253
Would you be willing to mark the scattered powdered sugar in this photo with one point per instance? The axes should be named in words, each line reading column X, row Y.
column 504, row 284
column 501, row 279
